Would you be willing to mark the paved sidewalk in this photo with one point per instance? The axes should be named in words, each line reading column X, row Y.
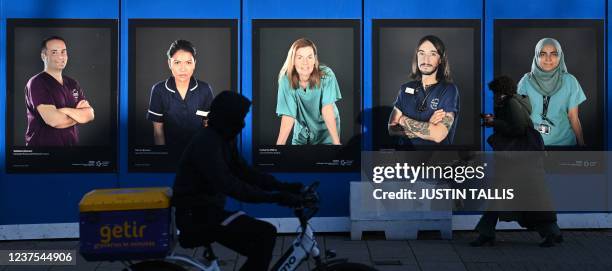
column 515, row 250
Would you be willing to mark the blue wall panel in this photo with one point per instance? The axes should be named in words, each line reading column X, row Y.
column 185, row 9
column 53, row 198
column 45, row 198
column 157, row 9
column 74, row 9
column 255, row 9
column 413, row 9
column 398, row 9
column 314, row 9
column 529, row 9
column 608, row 118
column 334, row 186
column 608, row 84
column 542, row 9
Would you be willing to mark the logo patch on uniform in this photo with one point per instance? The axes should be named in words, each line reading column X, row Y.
column 434, row 103
column 75, row 94
column 409, row 90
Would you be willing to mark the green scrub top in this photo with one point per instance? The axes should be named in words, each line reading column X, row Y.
column 304, row 105
column 569, row 96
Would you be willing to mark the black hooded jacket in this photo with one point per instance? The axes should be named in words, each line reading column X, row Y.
column 211, row 168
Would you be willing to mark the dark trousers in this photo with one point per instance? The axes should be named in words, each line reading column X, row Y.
column 246, row 235
column 488, row 221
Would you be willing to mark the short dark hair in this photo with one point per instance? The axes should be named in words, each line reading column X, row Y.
column 43, row 44
column 443, row 72
column 184, row 45
column 503, row 85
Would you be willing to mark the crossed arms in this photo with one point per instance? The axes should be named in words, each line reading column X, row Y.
column 66, row 117
column 436, row 129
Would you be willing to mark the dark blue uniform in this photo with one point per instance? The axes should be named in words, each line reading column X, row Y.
column 419, row 104
column 181, row 118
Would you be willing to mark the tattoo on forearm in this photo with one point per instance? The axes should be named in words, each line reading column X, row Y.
column 415, row 126
column 410, row 134
column 447, row 121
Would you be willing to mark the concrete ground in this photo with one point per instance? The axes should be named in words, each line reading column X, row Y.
column 515, row 250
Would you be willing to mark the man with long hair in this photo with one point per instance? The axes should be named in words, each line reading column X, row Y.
column 426, row 108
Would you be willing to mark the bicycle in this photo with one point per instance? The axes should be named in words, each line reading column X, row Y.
column 304, row 246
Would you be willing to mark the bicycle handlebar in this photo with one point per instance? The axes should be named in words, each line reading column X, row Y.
column 310, row 205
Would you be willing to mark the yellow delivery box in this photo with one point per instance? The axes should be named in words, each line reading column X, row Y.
column 126, row 223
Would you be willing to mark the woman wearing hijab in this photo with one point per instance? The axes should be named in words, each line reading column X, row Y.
column 555, row 96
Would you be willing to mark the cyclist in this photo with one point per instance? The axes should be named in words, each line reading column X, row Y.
column 211, row 169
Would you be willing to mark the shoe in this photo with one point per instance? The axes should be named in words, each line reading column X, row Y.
column 483, row 240
column 549, row 241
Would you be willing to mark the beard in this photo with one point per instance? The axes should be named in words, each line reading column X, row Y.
column 428, row 73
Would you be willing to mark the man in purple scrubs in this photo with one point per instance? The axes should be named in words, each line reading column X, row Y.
column 55, row 104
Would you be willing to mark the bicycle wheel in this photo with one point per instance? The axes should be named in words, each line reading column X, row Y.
column 348, row 267
column 156, row 266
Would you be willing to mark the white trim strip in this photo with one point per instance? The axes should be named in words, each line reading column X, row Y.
column 39, row 231
column 231, row 218
column 156, row 114
column 166, row 85
column 194, row 87
column 320, row 224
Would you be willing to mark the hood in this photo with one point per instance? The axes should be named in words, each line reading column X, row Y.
column 524, row 101
column 227, row 113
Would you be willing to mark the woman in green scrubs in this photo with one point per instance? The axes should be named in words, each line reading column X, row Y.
column 307, row 95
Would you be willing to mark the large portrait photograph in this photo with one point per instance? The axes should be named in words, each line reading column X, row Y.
column 176, row 67
column 306, row 95
column 426, row 84
column 62, row 95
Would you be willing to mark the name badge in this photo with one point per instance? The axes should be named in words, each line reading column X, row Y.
column 202, row 113
column 409, row 90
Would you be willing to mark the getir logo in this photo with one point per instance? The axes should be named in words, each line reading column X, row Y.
column 127, row 230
